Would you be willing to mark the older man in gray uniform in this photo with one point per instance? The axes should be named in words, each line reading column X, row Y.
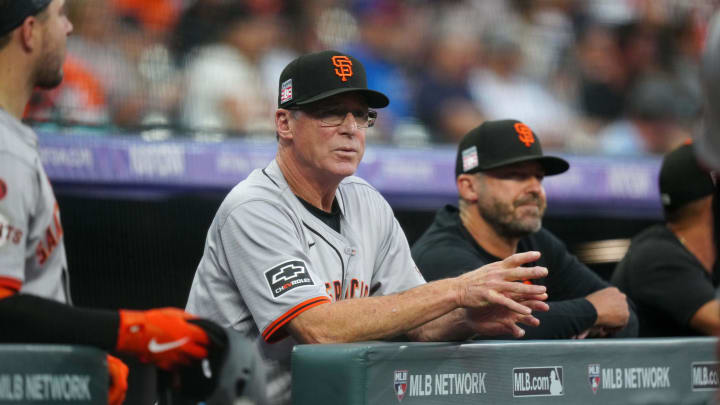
column 303, row 252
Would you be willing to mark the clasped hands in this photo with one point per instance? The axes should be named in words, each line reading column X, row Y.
column 496, row 300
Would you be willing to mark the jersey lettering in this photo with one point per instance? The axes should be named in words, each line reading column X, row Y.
column 52, row 238
column 358, row 288
column 56, row 220
column 10, row 233
column 338, row 289
column 41, row 253
column 3, row 189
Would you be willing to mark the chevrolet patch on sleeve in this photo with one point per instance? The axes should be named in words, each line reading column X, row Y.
column 286, row 276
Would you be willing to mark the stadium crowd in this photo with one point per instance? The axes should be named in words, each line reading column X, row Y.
column 614, row 77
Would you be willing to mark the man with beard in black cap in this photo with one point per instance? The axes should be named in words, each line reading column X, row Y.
column 499, row 170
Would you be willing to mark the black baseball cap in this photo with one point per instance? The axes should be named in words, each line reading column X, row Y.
column 14, row 12
column 319, row 75
column 682, row 179
column 498, row 143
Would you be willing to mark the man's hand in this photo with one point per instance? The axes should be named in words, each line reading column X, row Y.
column 612, row 310
column 495, row 320
column 162, row 337
column 497, row 284
column 118, row 372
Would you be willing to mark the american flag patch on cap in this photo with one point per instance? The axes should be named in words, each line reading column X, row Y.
column 470, row 158
column 286, row 93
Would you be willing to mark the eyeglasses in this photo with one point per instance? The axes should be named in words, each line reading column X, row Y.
column 334, row 117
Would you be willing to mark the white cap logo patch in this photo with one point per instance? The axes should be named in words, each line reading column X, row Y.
column 286, row 93
column 470, row 158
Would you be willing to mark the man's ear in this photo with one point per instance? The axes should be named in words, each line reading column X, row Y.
column 29, row 34
column 467, row 187
column 283, row 123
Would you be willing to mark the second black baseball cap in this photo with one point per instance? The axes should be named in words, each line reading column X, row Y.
column 498, row 143
column 319, row 75
column 682, row 179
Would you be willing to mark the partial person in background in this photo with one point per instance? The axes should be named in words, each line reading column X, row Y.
column 443, row 101
column 385, row 48
column 500, row 168
column 196, row 27
column 226, row 90
column 104, row 45
column 34, row 280
column 304, row 252
column 708, row 138
column 157, row 16
column 501, row 89
column 671, row 271
column 657, row 120
column 601, row 78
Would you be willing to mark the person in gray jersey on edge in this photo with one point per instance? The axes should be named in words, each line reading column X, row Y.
column 304, row 252
column 34, row 284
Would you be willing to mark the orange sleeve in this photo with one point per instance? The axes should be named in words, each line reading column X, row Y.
column 273, row 332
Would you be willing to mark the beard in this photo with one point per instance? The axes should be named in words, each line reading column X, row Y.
column 50, row 80
column 49, row 71
column 505, row 219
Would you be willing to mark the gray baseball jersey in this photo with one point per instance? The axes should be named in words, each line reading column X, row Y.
column 267, row 259
column 32, row 251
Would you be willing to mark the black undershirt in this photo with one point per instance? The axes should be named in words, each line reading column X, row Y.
column 331, row 219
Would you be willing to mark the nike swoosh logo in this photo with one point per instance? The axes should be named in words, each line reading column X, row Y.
column 156, row 347
column 311, row 244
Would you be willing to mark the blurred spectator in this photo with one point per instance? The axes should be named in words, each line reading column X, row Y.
column 225, row 85
column 501, row 91
column 566, row 67
column 443, row 100
column 155, row 15
column 382, row 47
column 546, row 31
column 686, row 39
column 197, row 26
column 657, row 120
column 102, row 44
column 80, row 99
column 640, row 49
column 602, row 77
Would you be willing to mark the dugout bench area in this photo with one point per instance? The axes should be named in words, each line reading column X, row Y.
column 136, row 215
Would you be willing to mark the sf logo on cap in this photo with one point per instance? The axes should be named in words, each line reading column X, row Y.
column 343, row 67
column 524, row 134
